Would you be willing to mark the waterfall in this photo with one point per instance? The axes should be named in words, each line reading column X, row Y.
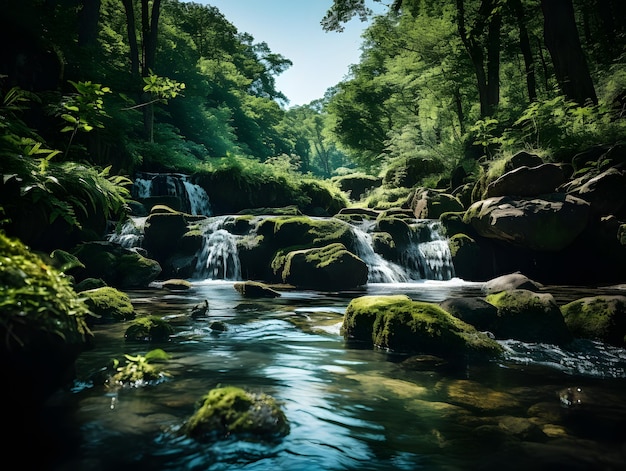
column 131, row 233
column 429, row 258
column 218, row 259
column 194, row 199
column 425, row 257
column 380, row 269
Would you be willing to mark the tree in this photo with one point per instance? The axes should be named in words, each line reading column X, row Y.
column 563, row 42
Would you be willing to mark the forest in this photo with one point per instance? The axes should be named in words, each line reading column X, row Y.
column 104, row 89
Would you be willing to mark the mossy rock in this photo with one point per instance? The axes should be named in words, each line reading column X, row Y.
column 331, row 267
column 528, row 316
column 600, row 318
column 228, row 411
column 149, row 329
column 109, row 305
column 304, row 232
column 44, row 327
column 397, row 323
column 89, row 283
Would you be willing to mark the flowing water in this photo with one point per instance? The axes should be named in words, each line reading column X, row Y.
column 349, row 408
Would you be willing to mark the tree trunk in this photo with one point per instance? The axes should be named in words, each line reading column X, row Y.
column 132, row 38
column 493, row 63
column 524, row 44
column 149, row 29
column 563, row 43
column 488, row 83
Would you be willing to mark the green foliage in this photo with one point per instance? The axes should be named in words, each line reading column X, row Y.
column 563, row 126
column 36, row 298
column 139, row 370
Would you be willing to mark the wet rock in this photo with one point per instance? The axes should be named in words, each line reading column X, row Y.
column 529, row 317
column 509, row 282
column 599, row 318
column 400, row 324
column 232, row 411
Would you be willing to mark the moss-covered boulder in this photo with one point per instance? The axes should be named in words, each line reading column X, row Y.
column 108, row 305
column 43, row 326
column 528, row 316
column 149, row 329
column 331, row 267
column 117, row 266
column 402, row 325
column 598, row 318
column 230, row 410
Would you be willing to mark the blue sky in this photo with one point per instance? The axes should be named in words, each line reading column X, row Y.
column 292, row 28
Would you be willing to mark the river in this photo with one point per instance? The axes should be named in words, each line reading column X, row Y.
column 349, row 408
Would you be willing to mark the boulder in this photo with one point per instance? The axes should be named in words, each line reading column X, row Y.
column 528, row 181
column 331, row 267
column 606, row 192
column 600, row 318
column 510, row 282
column 474, row 311
column 522, row 159
column 117, row 266
column 397, row 323
column 529, row 317
column 549, row 223
column 468, row 258
column 149, row 329
column 231, row 411
column 109, row 305
column 430, row 204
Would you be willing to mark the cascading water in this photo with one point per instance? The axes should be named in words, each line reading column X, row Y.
column 194, row 199
column 380, row 269
column 130, row 234
column 425, row 257
column 218, row 258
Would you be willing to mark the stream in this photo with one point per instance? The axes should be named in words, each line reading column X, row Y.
column 349, row 408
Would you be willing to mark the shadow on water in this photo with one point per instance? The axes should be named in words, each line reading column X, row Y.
column 349, row 408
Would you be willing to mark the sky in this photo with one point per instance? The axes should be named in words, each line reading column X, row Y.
column 292, row 28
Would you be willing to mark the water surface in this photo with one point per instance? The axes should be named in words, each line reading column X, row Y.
column 349, row 408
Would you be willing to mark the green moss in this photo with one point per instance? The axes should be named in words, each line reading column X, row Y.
column 36, row 298
column 528, row 316
column 600, row 318
column 400, row 324
column 231, row 410
column 109, row 304
column 149, row 328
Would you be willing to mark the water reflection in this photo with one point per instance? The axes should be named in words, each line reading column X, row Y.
column 348, row 408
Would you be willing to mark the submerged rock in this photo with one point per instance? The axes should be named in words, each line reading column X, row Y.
column 231, row 410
